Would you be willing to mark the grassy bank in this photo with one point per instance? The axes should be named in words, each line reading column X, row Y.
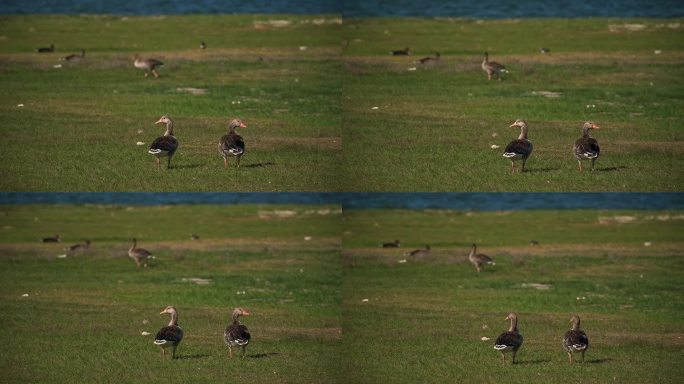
column 409, row 320
column 81, row 318
column 79, row 124
column 413, row 127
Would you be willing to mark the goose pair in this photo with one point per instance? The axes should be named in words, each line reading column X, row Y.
column 231, row 144
column 170, row 336
column 574, row 340
column 585, row 148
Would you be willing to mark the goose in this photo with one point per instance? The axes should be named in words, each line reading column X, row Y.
column 54, row 239
column 393, row 244
column 575, row 340
column 509, row 341
column 51, row 48
column 519, row 149
column 232, row 144
column 147, row 64
column 171, row 335
column 479, row 259
column 139, row 255
column 237, row 334
column 203, row 45
column 194, row 237
column 74, row 56
column 544, row 50
column 586, row 147
column 164, row 146
column 492, row 67
column 419, row 252
column 402, row 52
column 79, row 246
column 429, row 59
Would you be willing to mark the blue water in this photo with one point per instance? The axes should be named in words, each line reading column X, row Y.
column 456, row 201
column 360, row 8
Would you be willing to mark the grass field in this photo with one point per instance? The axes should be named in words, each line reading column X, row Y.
column 80, row 318
column 79, row 124
column 432, row 128
column 423, row 320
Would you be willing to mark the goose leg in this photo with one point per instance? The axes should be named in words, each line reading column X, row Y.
column 524, row 161
column 163, row 354
column 158, row 163
column 225, row 162
column 230, row 352
column 168, row 164
column 512, row 167
column 173, row 353
column 579, row 163
column 570, row 357
column 238, row 161
column 513, row 358
column 592, row 164
column 154, row 72
column 146, row 74
column 244, row 348
column 503, row 358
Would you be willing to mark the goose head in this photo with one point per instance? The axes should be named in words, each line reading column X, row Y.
column 237, row 123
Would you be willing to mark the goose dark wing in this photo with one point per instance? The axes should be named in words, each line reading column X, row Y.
column 165, row 143
column 520, row 147
column 171, row 334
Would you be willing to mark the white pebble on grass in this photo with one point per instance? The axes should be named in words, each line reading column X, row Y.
column 494, row 146
column 25, row 295
column 307, row 238
column 145, row 333
column 365, row 300
column 375, row 108
column 412, row 68
column 140, row 143
column 20, row 105
column 484, row 338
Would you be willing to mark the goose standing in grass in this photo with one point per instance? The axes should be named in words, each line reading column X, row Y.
column 509, row 341
column 139, row 255
column 492, row 68
column 575, row 340
column 79, row 246
column 232, row 144
column 393, row 244
column 149, row 65
column 203, row 45
column 171, row 335
column 419, row 252
column 237, row 334
column 74, row 56
column 53, row 239
column 51, row 48
column 402, row 52
column 519, row 149
column 164, row 146
column 479, row 259
column 586, row 147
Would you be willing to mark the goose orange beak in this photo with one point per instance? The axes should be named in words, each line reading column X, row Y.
column 243, row 125
column 245, row 312
column 594, row 126
column 159, row 122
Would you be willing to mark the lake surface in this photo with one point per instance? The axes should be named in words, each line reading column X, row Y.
column 359, row 8
column 456, row 201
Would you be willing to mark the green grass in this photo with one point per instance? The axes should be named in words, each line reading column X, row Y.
column 84, row 314
column 80, row 123
column 434, row 127
column 423, row 320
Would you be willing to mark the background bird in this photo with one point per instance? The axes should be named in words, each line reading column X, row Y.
column 53, row 239
column 164, row 146
column 479, row 259
column 237, row 334
column 232, row 144
column 51, row 48
column 393, row 244
column 139, row 255
column 586, row 147
column 492, row 68
column 171, row 335
column 149, row 65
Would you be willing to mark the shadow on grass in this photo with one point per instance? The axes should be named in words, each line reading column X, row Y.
column 259, row 165
column 192, row 357
column 186, row 166
column 263, row 355
column 612, row 169
column 598, row 361
column 541, row 170
column 533, row 362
